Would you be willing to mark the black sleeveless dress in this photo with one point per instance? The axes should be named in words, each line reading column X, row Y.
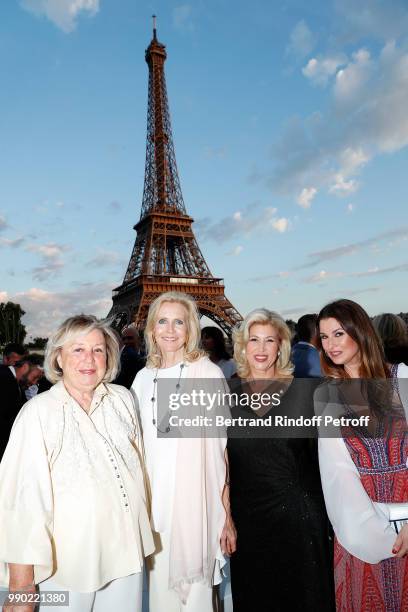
column 284, row 559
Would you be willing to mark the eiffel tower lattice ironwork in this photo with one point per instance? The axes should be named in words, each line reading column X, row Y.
column 165, row 255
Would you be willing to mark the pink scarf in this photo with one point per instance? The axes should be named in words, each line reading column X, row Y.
column 198, row 513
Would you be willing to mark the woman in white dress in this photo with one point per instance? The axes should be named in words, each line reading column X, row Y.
column 73, row 515
column 186, row 475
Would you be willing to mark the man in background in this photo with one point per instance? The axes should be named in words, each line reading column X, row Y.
column 12, row 353
column 131, row 358
column 305, row 356
column 14, row 380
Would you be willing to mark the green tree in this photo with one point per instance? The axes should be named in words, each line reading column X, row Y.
column 38, row 343
column 11, row 327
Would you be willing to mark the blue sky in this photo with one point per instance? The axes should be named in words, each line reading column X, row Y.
column 290, row 126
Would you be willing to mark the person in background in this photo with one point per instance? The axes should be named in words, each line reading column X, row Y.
column 30, row 390
column 305, row 356
column 14, row 380
column 364, row 472
column 12, row 353
column 292, row 328
column 73, row 510
column 131, row 357
column 213, row 341
column 393, row 332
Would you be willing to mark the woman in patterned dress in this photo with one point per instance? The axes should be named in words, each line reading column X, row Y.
column 364, row 473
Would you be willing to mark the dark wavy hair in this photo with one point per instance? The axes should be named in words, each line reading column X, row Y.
column 219, row 351
column 357, row 324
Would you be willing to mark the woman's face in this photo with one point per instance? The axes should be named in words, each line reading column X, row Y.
column 170, row 330
column 207, row 342
column 337, row 344
column 83, row 361
column 262, row 350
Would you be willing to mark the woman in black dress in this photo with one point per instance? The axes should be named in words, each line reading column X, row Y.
column 283, row 558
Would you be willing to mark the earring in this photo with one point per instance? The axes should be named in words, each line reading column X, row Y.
column 278, row 353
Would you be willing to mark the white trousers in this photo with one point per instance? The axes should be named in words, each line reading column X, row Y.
column 163, row 599
column 123, row 594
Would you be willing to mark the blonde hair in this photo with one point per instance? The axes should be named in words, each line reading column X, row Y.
column 80, row 325
column 192, row 352
column 241, row 336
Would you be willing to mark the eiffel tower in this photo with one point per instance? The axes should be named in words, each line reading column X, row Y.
column 165, row 256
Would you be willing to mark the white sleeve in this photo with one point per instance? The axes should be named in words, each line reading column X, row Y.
column 136, row 391
column 402, row 370
column 402, row 375
column 26, row 498
column 361, row 525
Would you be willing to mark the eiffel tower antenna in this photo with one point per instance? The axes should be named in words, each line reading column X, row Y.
column 165, row 256
column 154, row 27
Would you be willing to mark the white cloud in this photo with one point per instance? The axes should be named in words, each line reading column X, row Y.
column 215, row 152
column 51, row 257
column 350, row 80
column 375, row 270
column 306, row 196
column 48, row 251
column 49, row 270
column 105, row 258
column 240, row 223
column 353, row 292
column 114, row 207
column 182, row 17
column 37, row 295
column 323, row 276
column 328, row 150
column 3, row 224
column 319, row 257
column 341, row 186
column 236, row 251
column 4, row 296
column 301, row 40
column 45, row 310
column 12, row 242
column 260, row 279
column 295, row 312
column 351, row 160
column 320, row 69
column 281, row 225
column 63, row 13
column 350, row 208
column 374, row 18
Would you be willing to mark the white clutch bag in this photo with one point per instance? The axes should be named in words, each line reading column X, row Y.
column 398, row 515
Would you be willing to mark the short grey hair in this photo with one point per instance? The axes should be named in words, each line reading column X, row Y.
column 80, row 325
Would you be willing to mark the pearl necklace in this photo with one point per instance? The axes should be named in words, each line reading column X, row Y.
column 153, row 399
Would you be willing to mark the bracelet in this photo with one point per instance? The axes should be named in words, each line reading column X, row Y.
column 25, row 587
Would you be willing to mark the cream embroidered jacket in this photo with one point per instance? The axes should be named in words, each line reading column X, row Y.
column 72, row 495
